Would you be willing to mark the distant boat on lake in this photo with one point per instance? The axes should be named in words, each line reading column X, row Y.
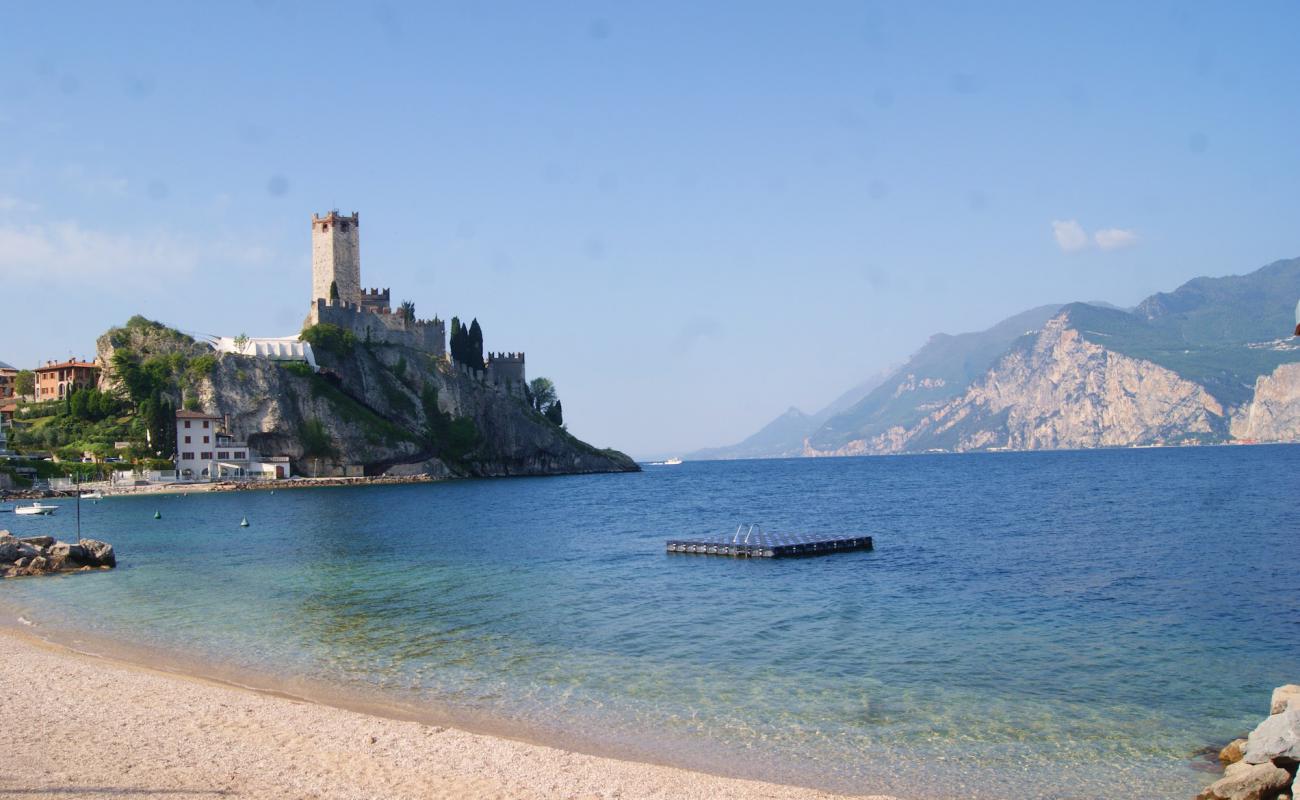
column 36, row 509
column 672, row 462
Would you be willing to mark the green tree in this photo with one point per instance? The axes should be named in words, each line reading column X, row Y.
column 474, row 346
column 407, row 311
column 556, row 414
column 25, row 383
column 329, row 338
column 241, row 343
column 543, row 393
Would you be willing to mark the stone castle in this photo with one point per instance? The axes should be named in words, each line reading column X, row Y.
column 338, row 298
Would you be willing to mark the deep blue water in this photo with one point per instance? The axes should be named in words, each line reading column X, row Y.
column 1033, row 625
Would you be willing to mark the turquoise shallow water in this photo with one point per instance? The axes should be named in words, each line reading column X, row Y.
column 1033, row 625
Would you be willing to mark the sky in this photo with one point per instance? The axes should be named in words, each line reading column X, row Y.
column 690, row 216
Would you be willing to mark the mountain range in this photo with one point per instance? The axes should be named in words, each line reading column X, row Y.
column 1212, row 361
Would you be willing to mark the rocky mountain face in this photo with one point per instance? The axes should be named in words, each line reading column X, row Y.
column 389, row 409
column 1273, row 414
column 1209, row 362
column 1059, row 390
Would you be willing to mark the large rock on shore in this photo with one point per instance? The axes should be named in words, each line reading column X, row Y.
column 1281, row 696
column 1256, row 782
column 43, row 555
column 1276, row 739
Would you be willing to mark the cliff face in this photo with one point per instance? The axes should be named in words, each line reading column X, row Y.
column 389, row 409
column 1056, row 389
column 1273, row 415
column 380, row 407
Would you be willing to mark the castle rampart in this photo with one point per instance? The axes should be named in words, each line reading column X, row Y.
column 506, row 369
column 386, row 328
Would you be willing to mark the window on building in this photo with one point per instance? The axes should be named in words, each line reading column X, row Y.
column 223, row 454
column 240, row 455
column 205, row 440
column 205, row 423
column 205, row 456
column 187, row 456
column 187, row 423
column 187, row 440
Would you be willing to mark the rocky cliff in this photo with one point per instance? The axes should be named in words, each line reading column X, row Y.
column 1058, row 388
column 1273, row 414
column 1212, row 361
column 387, row 409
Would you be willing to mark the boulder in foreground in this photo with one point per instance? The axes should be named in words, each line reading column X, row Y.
column 43, row 555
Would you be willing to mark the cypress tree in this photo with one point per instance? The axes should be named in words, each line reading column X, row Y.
column 475, row 345
column 334, row 290
column 556, row 414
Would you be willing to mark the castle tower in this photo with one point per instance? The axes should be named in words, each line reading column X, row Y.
column 336, row 256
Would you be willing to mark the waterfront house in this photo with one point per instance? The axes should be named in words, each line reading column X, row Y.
column 205, row 451
column 7, row 411
column 55, row 380
column 8, row 375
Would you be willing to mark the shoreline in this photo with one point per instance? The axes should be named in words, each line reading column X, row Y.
column 219, row 486
column 145, row 727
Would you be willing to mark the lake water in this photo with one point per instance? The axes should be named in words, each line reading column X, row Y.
column 1029, row 625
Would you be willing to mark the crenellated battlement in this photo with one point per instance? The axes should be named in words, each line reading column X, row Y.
column 333, row 218
column 506, row 369
column 429, row 335
column 376, row 301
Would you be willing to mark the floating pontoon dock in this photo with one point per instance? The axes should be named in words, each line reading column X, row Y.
column 755, row 543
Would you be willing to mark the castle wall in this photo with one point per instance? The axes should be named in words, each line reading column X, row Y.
column 427, row 335
column 336, row 256
column 506, row 369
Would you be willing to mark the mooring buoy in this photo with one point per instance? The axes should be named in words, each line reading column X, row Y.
column 243, row 523
column 157, row 515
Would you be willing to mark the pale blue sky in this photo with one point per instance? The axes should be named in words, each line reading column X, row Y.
column 690, row 216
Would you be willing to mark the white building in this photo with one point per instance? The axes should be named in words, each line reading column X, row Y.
column 285, row 348
column 206, row 452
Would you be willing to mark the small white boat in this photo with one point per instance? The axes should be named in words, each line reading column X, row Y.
column 36, row 508
column 672, row 462
column 95, row 495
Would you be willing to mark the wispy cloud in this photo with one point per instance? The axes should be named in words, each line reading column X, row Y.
column 10, row 204
column 1114, row 238
column 67, row 254
column 1070, row 236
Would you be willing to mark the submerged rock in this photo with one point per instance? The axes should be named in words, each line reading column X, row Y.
column 42, row 555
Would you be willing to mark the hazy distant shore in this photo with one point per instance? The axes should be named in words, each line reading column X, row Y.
column 89, row 726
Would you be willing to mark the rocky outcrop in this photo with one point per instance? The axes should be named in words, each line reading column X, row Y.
column 1263, row 766
column 1276, row 738
column 1058, row 389
column 391, row 410
column 43, row 555
column 374, row 409
column 1273, row 414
